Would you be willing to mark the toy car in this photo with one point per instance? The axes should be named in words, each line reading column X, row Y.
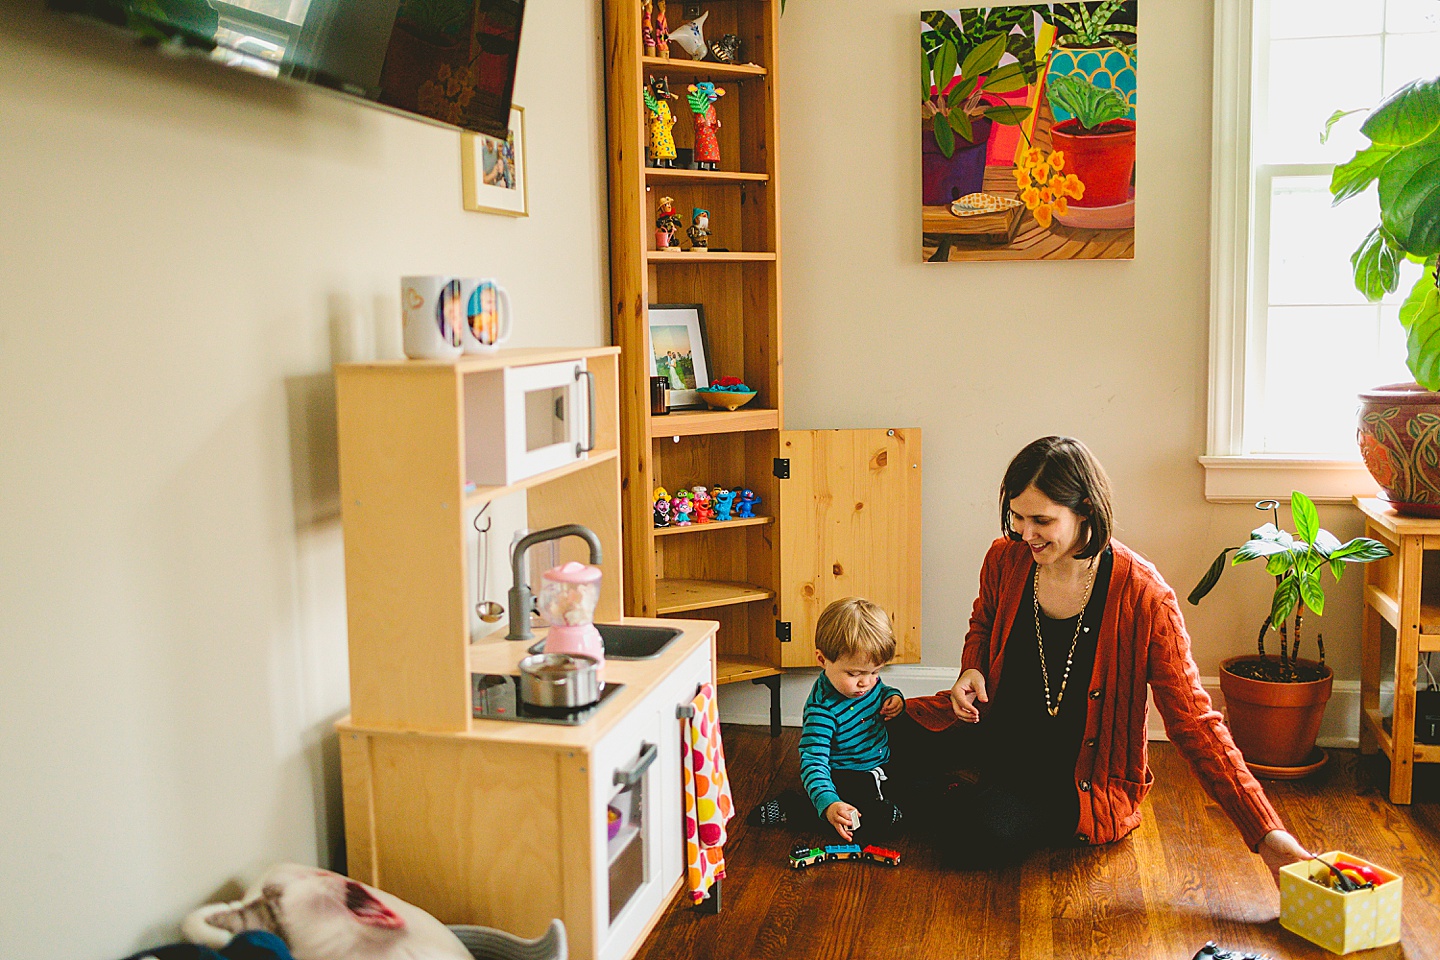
column 881, row 855
column 804, row 855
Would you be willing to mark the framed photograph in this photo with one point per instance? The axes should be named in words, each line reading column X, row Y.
column 493, row 170
column 678, row 350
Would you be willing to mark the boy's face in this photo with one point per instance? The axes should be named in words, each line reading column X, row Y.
column 850, row 676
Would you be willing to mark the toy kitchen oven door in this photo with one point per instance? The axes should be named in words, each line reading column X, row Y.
column 520, row 421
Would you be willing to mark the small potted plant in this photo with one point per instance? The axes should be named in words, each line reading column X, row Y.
column 959, row 68
column 1095, row 39
column 1274, row 704
column 1098, row 141
column 1399, row 430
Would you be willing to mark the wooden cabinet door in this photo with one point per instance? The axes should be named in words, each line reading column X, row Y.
column 849, row 526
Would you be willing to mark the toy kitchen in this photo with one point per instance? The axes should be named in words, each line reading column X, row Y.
column 535, row 772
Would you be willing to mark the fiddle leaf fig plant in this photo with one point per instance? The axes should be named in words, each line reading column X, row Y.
column 1296, row 561
column 1404, row 158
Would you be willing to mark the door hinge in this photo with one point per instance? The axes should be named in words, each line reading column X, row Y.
column 782, row 630
column 782, row 468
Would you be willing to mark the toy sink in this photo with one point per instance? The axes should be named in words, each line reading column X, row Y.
column 1339, row 922
column 625, row 641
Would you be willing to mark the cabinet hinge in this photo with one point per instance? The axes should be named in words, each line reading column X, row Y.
column 782, row 630
column 782, row 468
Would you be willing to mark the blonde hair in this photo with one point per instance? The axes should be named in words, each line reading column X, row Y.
column 854, row 627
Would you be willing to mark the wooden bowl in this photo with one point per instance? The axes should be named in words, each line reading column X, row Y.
column 726, row 399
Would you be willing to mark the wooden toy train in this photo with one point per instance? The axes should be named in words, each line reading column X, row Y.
column 804, row 855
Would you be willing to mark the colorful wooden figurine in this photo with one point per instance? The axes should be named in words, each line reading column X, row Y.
column 704, row 509
column 662, row 31
column 647, row 25
column 702, row 107
column 662, row 507
column 667, row 224
column 661, row 150
column 745, row 508
column 680, row 507
column 723, row 500
column 699, row 229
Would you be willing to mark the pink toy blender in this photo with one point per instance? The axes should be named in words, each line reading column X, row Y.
column 567, row 602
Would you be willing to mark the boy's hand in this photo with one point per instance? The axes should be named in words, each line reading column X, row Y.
column 844, row 818
column 893, row 706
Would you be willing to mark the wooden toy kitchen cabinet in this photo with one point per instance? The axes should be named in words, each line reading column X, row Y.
column 485, row 821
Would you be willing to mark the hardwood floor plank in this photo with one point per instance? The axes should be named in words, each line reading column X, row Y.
column 1183, row 877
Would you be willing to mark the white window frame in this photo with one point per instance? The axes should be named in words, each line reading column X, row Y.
column 1237, row 351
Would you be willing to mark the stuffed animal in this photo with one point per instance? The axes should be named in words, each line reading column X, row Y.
column 324, row 916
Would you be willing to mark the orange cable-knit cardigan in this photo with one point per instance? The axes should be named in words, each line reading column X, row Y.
column 1142, row 640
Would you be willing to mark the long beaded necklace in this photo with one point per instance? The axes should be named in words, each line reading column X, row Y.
column 1074, row 641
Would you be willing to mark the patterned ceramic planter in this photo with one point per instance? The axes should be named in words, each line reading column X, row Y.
column 1106, row 67
column 1399, row 437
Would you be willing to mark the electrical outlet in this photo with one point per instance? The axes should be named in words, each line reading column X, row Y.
column 692, row 10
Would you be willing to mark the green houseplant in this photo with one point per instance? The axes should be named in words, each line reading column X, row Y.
column 1275, row 703
column 1399, row 423
column 959, row 69
column 1097, row 139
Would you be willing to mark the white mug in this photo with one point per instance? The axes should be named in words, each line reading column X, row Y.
column 434, row 317
column 488, row 317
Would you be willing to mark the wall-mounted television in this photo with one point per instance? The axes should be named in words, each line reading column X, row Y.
column 451, row 61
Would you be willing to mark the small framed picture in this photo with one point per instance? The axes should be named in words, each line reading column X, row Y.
column 493, row 170
column 678, row 350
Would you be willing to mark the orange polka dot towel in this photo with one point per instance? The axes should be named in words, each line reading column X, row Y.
column 708, row 804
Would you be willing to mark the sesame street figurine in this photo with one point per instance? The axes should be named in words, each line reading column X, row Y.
column 702, row 106
column 724, row 500
column 662, row 122
column 704, row 511
column 748, row 502
column 667, row 224
column 662, row 507
column 699, row 229
column 680, row 507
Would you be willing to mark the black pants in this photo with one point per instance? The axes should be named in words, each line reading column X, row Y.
column 999, row 819
column 861, row 790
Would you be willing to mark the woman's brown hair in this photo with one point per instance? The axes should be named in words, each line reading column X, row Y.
column 1067, row 472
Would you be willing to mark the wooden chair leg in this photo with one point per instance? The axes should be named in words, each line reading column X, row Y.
column 773, row 682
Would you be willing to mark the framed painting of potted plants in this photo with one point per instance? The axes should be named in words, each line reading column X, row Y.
column 1027, row 137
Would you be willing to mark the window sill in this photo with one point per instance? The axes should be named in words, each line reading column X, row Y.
column 1248, row 479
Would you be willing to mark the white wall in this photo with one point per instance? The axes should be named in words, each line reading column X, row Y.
column 985, row 357
column 185, row 253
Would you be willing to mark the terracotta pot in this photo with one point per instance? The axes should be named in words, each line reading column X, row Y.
column 1274, row 724
column 1103, row 160
column 1399, row 437
column 948, row 178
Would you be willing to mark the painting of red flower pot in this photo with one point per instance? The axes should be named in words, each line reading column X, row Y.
column 1015, row 166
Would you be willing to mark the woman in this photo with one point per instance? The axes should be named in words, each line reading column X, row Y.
column 1068, row 630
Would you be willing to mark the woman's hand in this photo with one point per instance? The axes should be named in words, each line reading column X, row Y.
column 844, row 818
column 1279, row 848
column 967, row 690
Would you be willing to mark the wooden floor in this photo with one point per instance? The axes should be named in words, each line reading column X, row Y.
column 1182, row 878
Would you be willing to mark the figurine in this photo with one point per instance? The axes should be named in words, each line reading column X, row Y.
column 699, row 229
column 723, row 500
column 662, row 122
column 702, row 106
column 704, row 511
column 747, row 504
column 691, row 36
column 662, row 507
column 662, row 32
column 667, row 224
column 647, row 25
column 726, row 49
column 680, row 507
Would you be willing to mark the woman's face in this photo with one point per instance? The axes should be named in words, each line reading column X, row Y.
column 1050, row 530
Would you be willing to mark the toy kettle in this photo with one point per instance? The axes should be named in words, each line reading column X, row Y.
column 567, row 602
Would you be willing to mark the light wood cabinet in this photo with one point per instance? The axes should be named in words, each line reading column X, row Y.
column 487, row 821
column 846, row 521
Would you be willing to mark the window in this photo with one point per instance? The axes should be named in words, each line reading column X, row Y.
column 1292, row 341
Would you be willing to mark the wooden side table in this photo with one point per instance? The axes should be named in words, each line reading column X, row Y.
column 1393, row 594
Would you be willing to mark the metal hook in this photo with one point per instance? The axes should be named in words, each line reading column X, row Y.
column 1273, row 506
column 488, row 520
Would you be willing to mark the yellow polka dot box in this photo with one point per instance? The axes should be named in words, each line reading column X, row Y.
column 1325, row 909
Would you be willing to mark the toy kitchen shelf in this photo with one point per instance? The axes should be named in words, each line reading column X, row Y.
column 1402, row 591
column 847, row 520
column 486, row 821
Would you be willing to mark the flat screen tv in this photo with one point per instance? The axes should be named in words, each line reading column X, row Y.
column 451, row 61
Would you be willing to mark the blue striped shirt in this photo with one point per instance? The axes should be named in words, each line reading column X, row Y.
column 840, row 733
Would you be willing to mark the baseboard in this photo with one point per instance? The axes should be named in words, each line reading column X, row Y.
column 746, row 703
